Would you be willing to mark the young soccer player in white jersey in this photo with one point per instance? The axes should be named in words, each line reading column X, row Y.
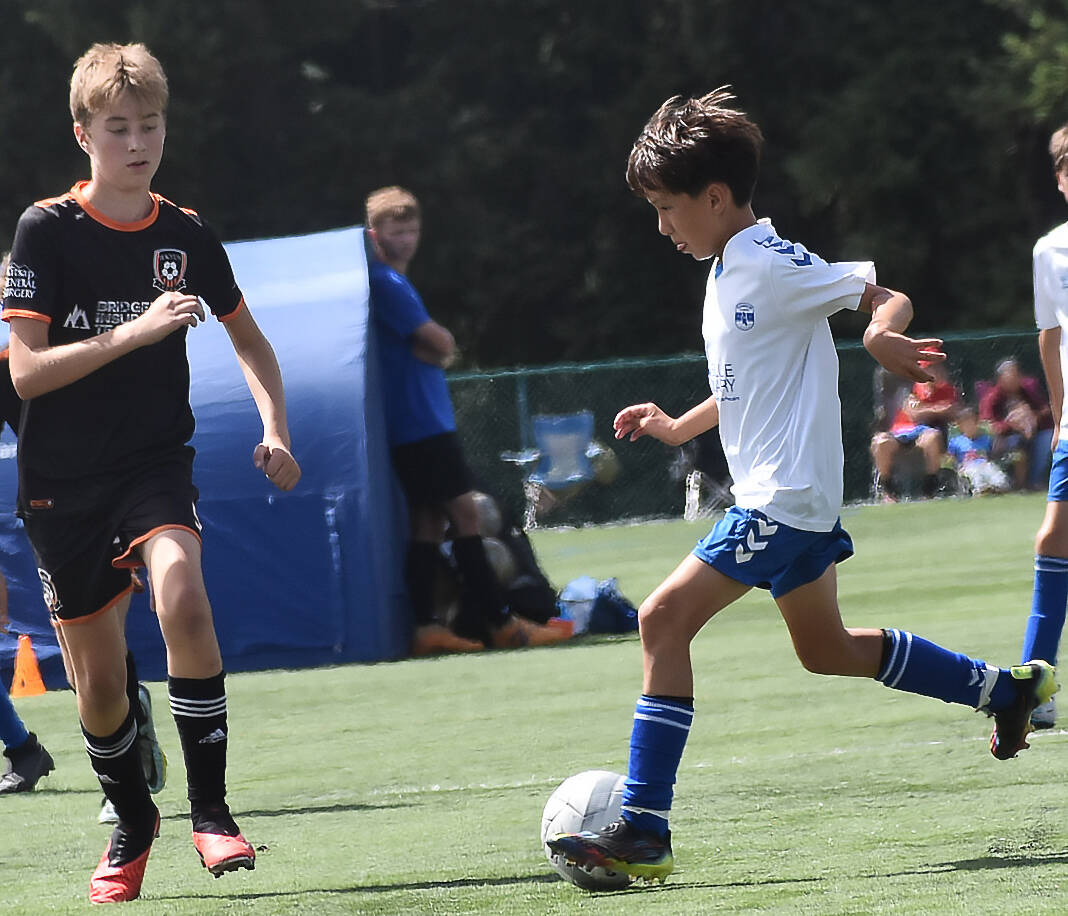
column 104, row 283
column 1050, row 596
column 773, row 371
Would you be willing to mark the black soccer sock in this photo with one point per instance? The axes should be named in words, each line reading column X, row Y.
column 118, row 767
column 481, row 590
column 199, row 709
column 421, row 575
column 131, row 690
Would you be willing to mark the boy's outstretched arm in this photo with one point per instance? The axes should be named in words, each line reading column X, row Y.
column 884, row 337
column 649, row 420
column 260, row 368
column 1049, row 349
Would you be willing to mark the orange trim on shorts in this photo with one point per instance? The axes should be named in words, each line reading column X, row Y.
column 78, row 193
column 60, row 622
column 125, row 561
column 8, row 314
column 237, row 310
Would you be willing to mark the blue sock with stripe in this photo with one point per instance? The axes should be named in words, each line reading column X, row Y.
column 1048, row 602
column 915, row 665
column 12, row 732
column 657, row 739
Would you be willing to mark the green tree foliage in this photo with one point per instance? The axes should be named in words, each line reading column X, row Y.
column 910, row 133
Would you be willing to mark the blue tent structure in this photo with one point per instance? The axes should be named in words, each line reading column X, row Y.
column 297, row 579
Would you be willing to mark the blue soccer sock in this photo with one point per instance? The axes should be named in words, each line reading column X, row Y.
column 915, row 665
column 12, row 732
column 657, row 739
column 1048, row 602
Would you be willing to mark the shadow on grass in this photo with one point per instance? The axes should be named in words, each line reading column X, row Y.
column 986, row 862
column 1009, row 861
column 289, row 812
column 1017, row 861
column 379, row 888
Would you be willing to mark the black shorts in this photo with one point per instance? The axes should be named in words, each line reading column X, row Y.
column 432, row 471
column 85, row 532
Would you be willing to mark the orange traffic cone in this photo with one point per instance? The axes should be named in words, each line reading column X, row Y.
column 27, row 681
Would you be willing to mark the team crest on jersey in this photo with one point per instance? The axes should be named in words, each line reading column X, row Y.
column 168, row 264
column 744, row 316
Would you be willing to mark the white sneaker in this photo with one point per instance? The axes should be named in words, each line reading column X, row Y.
column 1045, row 716
column 108, row 815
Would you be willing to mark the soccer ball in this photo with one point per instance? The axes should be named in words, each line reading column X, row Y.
column 586, row 801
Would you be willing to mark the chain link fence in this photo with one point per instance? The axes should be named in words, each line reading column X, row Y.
column 646, row 479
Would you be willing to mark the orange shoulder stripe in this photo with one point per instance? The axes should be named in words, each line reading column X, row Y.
column 188, row 210
column 49, row 201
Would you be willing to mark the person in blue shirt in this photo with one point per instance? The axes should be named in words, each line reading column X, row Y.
column 971, row 448
column 414, row 351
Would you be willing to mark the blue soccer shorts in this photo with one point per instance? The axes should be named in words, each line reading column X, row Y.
column 1058, row 474
column 750, row 548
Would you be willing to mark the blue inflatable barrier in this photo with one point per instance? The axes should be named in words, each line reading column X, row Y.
column 297, row 579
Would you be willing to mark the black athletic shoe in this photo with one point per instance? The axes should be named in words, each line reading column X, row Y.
column 618, row 847
column 26, row 765
column 1035, row 684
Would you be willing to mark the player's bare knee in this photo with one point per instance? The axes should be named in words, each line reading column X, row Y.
column 658, row 620
column 1052, row 537
column 101, row 687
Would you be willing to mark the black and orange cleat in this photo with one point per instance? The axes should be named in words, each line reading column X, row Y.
column 220, row 853
column 121, row 869
column 437, row 639
column 520, row 633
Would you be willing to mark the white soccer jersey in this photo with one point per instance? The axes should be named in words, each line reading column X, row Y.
column 773, row 370
column 1050, row 265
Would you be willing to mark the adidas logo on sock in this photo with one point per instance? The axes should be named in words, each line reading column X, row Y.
column 214, row 738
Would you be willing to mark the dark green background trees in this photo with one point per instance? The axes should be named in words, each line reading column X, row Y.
column 908, row 132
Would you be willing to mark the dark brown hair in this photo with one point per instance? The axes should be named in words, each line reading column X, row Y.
column 691, row 143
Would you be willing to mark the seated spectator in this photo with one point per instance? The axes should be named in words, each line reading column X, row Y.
column 1017, row 410
column 921, row 423
column 972, row 449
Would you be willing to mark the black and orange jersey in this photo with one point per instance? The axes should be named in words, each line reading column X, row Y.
column 84, row 274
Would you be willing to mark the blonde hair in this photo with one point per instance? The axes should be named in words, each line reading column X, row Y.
column 107, row 70
column 390, row 203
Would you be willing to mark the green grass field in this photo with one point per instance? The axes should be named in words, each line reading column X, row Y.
column 417, row 787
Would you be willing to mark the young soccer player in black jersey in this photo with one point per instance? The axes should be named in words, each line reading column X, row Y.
column 104, row 283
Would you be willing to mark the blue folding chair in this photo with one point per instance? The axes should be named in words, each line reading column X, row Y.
column 561, row 458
